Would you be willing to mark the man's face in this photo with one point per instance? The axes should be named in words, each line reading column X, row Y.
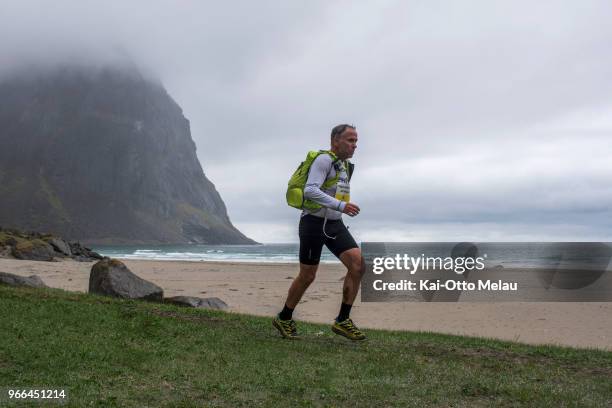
column 345, row 144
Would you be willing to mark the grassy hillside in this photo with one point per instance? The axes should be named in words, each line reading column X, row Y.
column 108, row 352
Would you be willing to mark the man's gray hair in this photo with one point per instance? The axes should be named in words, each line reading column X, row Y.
column 339, row 129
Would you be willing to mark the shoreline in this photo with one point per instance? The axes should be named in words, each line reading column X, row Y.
column 259, row 288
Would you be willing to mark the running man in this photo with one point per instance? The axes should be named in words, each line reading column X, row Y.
column 325, row 227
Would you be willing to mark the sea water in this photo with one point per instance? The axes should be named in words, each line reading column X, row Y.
column 196, row 252
column 507, row 255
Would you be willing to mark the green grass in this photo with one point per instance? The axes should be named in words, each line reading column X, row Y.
column 109, row 352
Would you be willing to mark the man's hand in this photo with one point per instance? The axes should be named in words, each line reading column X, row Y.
column 351, row 209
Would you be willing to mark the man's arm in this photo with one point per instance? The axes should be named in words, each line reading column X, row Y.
column 318, row 173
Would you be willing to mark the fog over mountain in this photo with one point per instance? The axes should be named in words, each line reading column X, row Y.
column 477, row 121
column 103, row 155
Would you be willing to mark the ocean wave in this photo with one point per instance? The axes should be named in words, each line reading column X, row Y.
column 279, row 253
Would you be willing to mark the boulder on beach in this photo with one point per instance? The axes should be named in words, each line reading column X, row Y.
column 33, row 250
column 111, row 277
column 37, row 246
column 60, row 246
column 16, row 280
column 6, row 251
column 200, row 303
column 81, row 253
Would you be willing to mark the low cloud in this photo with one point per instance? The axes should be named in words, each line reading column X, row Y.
column 483, row 120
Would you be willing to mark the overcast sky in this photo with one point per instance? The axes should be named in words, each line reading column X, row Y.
column 477, row 120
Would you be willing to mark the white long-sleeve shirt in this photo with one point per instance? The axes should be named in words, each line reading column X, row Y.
column 322, row 170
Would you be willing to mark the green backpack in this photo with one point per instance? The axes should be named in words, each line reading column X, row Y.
column 297, row 182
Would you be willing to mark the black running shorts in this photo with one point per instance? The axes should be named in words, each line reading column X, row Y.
column 312, row 238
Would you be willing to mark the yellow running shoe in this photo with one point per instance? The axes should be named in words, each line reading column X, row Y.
column 286, row 328
column 347, row 329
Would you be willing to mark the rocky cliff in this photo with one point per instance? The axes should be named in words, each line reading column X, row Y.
column 104, row 156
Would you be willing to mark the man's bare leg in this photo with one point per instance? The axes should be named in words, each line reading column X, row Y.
column 355, row 266
column 300, row 284
column 284, row 322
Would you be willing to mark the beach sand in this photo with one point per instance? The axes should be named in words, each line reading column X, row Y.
column 260, row 289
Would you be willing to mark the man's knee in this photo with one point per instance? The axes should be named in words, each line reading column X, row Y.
column 308, row 272
column 354, row 262
column 358, row 267
column 309, row 277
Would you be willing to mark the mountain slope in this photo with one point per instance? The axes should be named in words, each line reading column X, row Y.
column 104, row 156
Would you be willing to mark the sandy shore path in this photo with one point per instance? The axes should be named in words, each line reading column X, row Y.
column 260, row 289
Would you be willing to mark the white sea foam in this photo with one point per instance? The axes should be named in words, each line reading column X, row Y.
column 271, row 253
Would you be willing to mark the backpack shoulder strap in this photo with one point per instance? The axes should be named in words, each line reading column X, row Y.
column 331, row 154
